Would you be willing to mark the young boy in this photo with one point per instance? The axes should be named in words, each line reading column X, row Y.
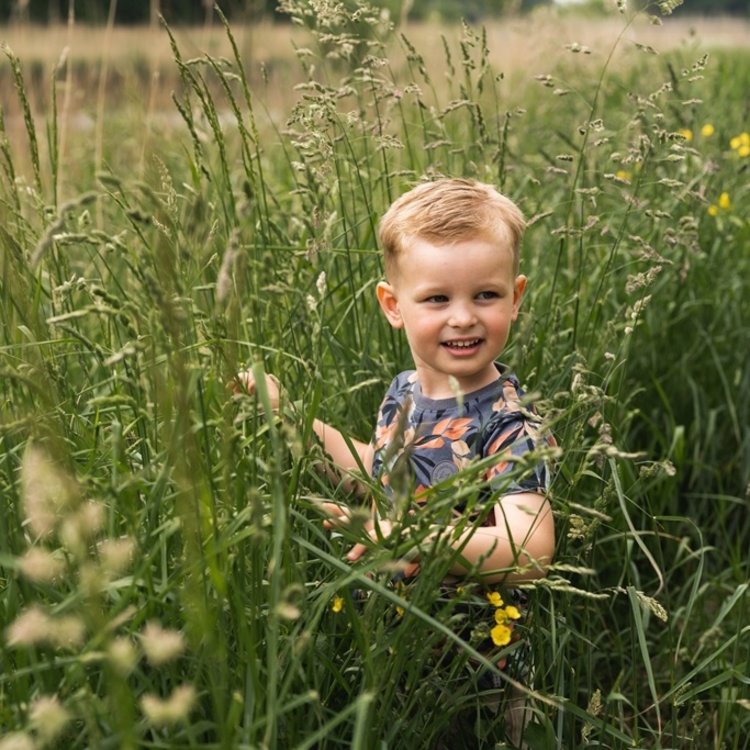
column 451, row 254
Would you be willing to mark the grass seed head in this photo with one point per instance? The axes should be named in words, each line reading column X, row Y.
column 172, row 710
column 48, row 492
column 48, row 716
column 122, row 655
column 30, row 628
column 17, row 741
column 160, row 644
column 40, row 565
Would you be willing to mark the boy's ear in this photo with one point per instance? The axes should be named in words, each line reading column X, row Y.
column 519, row 288
column 389, row 304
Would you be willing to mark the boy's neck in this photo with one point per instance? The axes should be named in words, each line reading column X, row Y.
column 438, row 387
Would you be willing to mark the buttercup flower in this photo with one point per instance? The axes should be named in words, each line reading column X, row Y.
column 508, row 613
column 686, row 133
column 741, row 144
column 724, row 201
column 713, row 210
column 512, row 612
column 337, row 604
column 494, row 599
column 708, row 130
column 743, row 139
column 500, row 635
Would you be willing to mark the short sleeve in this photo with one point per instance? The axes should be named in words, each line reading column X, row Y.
column 511, row 441
column 387, row 421
column 512, row 432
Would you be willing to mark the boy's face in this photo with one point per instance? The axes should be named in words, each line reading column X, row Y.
column 456, row 304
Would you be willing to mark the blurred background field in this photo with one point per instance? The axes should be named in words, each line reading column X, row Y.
column 177, row 202
column 127, row 70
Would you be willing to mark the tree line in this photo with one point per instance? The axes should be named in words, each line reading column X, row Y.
column 201, row 11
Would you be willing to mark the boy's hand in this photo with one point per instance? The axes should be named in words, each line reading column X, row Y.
column 244, row 382
column 336, row 515
column 341, row 515
column 383, row 531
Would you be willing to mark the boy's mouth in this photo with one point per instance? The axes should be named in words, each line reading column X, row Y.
column 461, row 344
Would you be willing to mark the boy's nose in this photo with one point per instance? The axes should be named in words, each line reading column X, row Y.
column 462, row 316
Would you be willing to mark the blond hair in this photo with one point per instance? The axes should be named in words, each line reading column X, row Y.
column 450, row 210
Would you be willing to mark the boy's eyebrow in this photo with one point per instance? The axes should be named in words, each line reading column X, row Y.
column 480, row 286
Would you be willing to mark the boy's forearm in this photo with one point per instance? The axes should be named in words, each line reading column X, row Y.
column 338, row 448
column 527, row 520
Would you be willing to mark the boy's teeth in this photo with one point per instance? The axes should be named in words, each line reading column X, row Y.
column 463, row 344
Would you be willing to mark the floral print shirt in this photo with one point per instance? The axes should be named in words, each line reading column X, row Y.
column 440, row 437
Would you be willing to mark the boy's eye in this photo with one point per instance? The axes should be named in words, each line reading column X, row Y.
column 437, row 299
column 487, row 295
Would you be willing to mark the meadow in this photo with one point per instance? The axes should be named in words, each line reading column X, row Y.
column 167, row 218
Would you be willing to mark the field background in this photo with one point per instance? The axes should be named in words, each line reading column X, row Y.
column 177, row 204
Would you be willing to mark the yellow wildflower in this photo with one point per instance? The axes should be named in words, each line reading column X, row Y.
column 512, row 612
column 337, row 604
column 724, row 201
column 713, row 210
column 621, row 174
column 708, row 130
column 743, row 151
column 494, row 599
column 509, row 613
column 686, row 133
column 400, row 611
column 500, row 635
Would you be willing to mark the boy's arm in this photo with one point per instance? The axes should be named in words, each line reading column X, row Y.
column 332, row 439
column 522, row 538
column 338, row 448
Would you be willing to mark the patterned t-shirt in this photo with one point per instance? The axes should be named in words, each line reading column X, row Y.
column 425, row 441
column 440, row 437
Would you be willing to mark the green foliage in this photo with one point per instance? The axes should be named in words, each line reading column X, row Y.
column 165, row 572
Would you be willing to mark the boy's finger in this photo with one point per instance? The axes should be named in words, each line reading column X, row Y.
column 356, row 552
column 337, row 514
column 242, row 382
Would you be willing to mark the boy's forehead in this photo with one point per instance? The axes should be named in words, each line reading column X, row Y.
column 394, row 265
column 499, row 240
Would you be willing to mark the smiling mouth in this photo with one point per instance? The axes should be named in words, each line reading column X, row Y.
column 465, row 344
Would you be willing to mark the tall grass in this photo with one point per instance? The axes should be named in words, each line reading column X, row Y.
column 165, row 573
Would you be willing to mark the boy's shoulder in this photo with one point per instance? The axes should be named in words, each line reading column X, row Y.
column 403, row 384
column 505, row 396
